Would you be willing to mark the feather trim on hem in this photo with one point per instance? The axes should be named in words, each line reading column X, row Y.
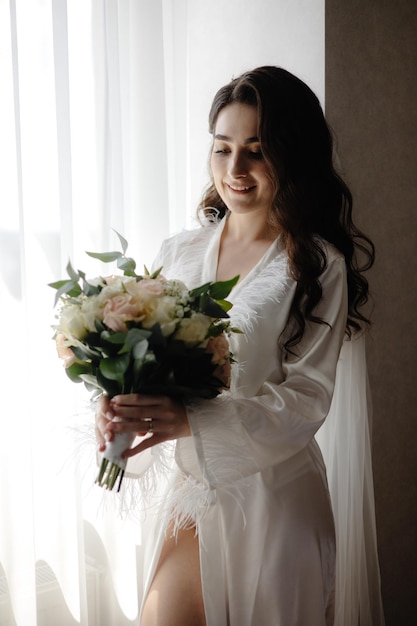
column 188, row 503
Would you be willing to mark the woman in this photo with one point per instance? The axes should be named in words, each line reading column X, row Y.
column 260, row 550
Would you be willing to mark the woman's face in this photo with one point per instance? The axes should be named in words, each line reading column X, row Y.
column 240, row 173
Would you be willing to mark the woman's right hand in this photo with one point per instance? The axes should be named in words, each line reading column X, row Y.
column 104, row 417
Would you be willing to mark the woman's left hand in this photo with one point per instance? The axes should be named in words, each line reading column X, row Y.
column 164, row 417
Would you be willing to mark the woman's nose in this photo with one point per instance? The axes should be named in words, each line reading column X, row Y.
column 237, row 166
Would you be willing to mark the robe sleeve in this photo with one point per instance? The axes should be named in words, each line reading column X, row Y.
column 236, row 437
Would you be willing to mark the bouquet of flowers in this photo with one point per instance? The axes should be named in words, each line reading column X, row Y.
column 141, row 334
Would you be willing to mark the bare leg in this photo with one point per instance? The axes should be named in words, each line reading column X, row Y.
column 175, row 596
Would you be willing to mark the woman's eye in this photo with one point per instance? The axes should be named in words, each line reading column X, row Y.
column 256, row 155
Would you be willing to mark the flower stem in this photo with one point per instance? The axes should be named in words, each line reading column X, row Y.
column 108, row 475
column 113, row 464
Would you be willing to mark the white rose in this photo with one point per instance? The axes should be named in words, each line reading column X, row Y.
column 193, row 330
column 91, row 309
column 163, row 311
column 168, row 328
column 115, row 286
column 71, row 323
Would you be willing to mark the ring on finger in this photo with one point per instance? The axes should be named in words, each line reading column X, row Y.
column 150, row 425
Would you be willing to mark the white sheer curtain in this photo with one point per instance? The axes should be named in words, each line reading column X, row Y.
column 103, row 114
column 83, row 149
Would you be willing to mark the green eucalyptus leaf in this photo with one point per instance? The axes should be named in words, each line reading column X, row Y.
column 114, row 368
column 134, row 336
column 140, row 349
column 116, row 338
column 77, row 370
column 225, row 304
column 122, row 240
column 74, row 290
column 127, row 265
column 84, row 353
column 221, row 289
column 111, row 387
column 69, row 288
column 72, row 273
column 105, row 257
column 212, row 308
column 200, row 291
column 111, row 343
column 58, row 283
column 89, row 289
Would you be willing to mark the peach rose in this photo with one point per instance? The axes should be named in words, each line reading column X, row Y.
column 151, row 286
column 64, row 352
column 219, row 348
column 119, row 310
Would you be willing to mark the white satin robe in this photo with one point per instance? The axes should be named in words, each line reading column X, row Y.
column 256, row 482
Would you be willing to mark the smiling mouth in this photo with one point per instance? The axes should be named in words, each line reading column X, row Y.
column 240, row 189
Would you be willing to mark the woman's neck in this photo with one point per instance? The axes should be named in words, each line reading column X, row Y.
column 248, row 228
column 243, row 243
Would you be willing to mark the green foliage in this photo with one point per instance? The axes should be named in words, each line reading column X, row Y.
column 105, row 257
column 78, row 284
column 76, row 370
column 210, row 298
column 115, row 367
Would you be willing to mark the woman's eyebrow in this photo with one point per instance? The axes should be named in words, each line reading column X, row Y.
column 226, row 138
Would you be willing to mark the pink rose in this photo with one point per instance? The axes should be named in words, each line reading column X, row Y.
column 119, row 310
column 146, row 288
column 152, row 285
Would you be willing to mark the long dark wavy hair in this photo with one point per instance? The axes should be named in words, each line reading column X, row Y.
column 311, row 200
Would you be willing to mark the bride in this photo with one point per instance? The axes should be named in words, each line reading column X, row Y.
column 259, row 547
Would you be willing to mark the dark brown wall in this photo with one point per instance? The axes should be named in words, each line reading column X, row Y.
column 371, row 102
